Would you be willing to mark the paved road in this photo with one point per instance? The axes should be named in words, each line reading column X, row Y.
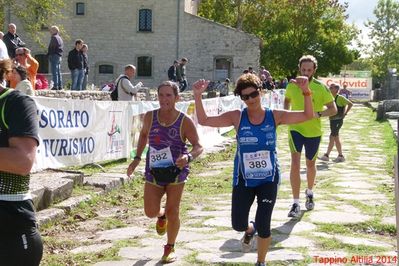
column 351, row 208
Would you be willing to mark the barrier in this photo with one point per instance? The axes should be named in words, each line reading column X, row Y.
column 77, row 132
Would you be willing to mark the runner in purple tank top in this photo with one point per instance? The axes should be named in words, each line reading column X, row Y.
column 167, row 162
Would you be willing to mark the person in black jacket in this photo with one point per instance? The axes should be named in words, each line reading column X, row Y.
column 172, row 71
column 12, row 40
column 55, row 50
column 75, row 64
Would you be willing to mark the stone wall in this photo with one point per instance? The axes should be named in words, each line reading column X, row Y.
column 110, row 28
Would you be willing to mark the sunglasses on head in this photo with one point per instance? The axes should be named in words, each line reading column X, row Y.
column 253, row 94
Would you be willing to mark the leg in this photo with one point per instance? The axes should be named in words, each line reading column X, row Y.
column 58, row 73
column 338, row 145
column 74, row 76
column 310, row 172
column 172, row 210
column 295, row 176
column 330, row 145
column 80, row 79
column 266, row 198
column 53, row 65
column 152, row 200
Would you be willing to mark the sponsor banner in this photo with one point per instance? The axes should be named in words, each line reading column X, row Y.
column 360, row 87
column 78, row 132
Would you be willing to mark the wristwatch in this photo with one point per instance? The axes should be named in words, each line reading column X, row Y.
column 190, row 157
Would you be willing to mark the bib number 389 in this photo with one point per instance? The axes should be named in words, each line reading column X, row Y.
column 257, row 165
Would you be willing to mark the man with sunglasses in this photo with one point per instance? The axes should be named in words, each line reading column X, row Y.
column 306, row 134
column 24, row 58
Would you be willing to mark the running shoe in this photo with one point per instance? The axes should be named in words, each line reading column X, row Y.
column 309, row 200
column 340, row 159
column 260, row 264
column 247, row 241
column 295, row 211
column 169, row 254
column 324, row 158
column 162, row 224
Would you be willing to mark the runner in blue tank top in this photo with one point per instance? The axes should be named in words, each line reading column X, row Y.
column 256, row 170
column 166, row 131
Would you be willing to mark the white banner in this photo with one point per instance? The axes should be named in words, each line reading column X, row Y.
column 78, row 132
column 360, row 87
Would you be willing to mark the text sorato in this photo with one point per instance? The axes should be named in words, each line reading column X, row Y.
column 63, row 119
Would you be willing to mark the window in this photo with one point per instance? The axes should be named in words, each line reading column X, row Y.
column 43, row 63
column 222, row 68
column 80, row 8
column 106, row 69
column 144, row 66
column 145, row 20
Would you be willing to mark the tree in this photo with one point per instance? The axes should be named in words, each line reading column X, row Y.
column 33, row 14
column 290, row 29
column 384, row 34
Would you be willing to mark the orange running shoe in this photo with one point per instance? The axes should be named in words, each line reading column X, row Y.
column 169, row 254
column 161, row 226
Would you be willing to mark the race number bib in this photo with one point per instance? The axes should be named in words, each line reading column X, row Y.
column 257, row 165
column 160, row 158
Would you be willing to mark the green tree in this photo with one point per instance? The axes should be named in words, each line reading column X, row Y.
column 33, row 14
column 290, row 29
column 384, row 32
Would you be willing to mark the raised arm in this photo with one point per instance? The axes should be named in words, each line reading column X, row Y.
column 190, row 133
column 143, row 139
column 226, row 119
column 293, row 117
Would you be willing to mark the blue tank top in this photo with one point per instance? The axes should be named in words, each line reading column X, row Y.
column 256, row 156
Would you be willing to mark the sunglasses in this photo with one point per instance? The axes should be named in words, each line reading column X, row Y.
column 246, row 97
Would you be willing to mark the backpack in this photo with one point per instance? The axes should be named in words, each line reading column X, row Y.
column 114, row 93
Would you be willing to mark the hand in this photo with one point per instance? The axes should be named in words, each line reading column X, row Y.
column 132, row 166
column 302, row 82
column 182, row 161
column 200, row 86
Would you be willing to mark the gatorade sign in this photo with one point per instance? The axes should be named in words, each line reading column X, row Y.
column 360, row 87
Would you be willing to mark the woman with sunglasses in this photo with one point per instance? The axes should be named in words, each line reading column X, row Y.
column 256, row 170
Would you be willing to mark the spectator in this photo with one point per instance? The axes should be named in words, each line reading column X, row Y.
column 181, row 74
column 126, row 90
column 24, row 58
column 3, row 48
column 19, row 76
column 269, row 84
column 172, row 71
column 75, row 64
column 251, row 70
column 264, row 71
column 12, row 40
column 20, row 243
column 345, row 92
column 55, row 51
column 85, row 48
column 224, row 91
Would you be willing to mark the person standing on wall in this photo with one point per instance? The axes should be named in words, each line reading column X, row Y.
column 54, row 53
column 75, row 65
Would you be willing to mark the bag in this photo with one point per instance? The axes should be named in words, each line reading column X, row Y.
column 114, row 93
column 165, row 175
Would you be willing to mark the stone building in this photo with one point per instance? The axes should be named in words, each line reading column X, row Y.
column 150, row 34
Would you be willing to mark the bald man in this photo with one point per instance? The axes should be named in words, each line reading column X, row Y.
column 12, row 40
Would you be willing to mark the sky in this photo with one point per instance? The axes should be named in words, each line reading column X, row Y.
column 359, row 11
